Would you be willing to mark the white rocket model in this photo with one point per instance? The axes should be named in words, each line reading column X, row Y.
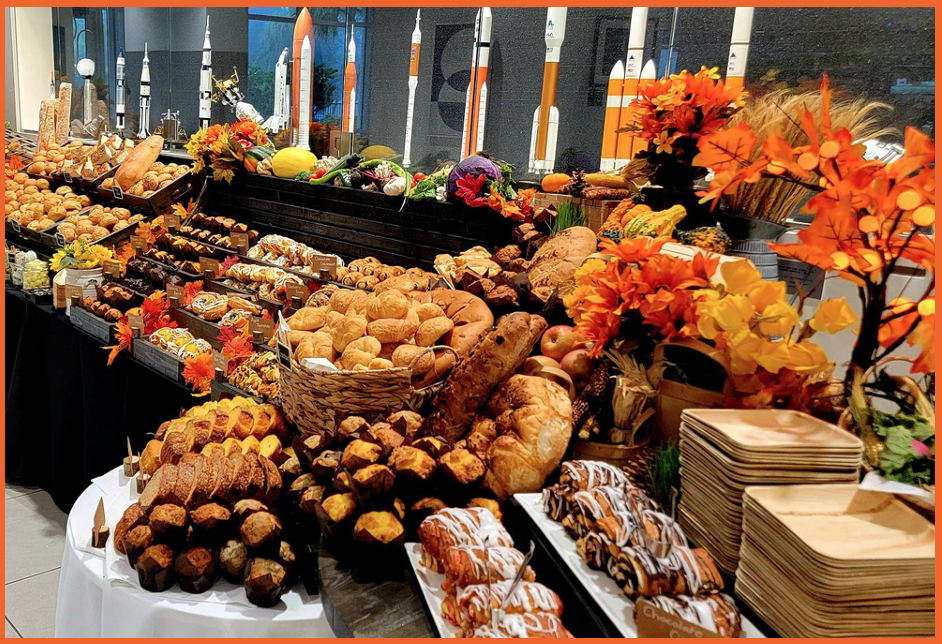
column 618, row 148
column 304, row 140
column 144, row 118
column 476, row 106
column 119, row 93
column 546, row 116
column 206, row 81
column 413, row 83
column 349, row 114
column 739, row 47
column 86, row 69
column 282, row 106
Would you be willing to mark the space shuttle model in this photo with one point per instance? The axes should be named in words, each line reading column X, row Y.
column 206, row 81
column 546, row 117
column 144, row 117
column 303, row 28
column 282, row 106
column 475, row 110
column 349, row 114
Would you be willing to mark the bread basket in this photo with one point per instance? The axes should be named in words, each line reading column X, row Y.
column 316, row 402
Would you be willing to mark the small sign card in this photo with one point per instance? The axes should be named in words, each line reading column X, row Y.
column 175, row 293
column 112, row 268
column 220, row 365
column 15, row 225
column 654, row 622
column 297, row 294
column 172, row 221
column 100, row 531
column 240, row 241
column 261, row 328
column 136, row 322
column 60, row 240
column 73, row 294
column 209, row 267
column 139, row 244
column 117, row 192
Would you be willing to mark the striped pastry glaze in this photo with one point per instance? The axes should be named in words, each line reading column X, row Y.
column 475, row 602
column 452, row 527
column 585, row 475
column 685, row 571
column 468, row 565
column 715, row 612
column 525, row 626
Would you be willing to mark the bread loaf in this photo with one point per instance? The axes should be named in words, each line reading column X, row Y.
column 554, row 264
column 47, row 123
column 534, row 419
column 63, row 113
column 139, row 161
column 467, row 389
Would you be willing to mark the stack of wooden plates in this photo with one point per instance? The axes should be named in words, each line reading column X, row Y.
column 724, row 451
column 837, row 561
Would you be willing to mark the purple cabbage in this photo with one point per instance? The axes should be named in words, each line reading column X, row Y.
column 475, row 166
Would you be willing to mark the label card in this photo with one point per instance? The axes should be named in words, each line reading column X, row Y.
column 73, row 293
column 67, row 176
column 136, row 322
column 240, row 241
column 172, row 221
column 654, row 622
column 15, row 225
column 297, row 294
column 139, row 244
column 209, row 267
column 113, row 268
column 60, row 240
column 261, row 329
column 220, row 364
column 117, row 192
column 175, row 293
column 325, row 263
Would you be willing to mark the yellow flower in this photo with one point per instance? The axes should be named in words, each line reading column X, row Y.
column 742, row 354
column 732, row 314
column 778, row 319
column 773, row 356
column 588, row 267
column 765, row 294
column 713, row 73
column 807, row 357
column 663, row 142
column 740, row 276
column 833, row 316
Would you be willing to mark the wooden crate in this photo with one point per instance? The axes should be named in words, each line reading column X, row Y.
column 596, row 211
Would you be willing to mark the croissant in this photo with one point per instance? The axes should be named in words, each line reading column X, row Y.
column 473, row 605
column 468, row 565
column 685, row 571
column 525, row 625
column 455, row 527
column 715, row 612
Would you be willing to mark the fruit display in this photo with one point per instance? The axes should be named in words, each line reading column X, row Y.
column 268, row 281
column 34, row 205
column 710, row 238
column 157, row 177
column 360, row 331
column 215, row 230
column 593, row 185
column 97, row 223
column 92, row 161
column 258, row 375
column 287, row 253
column 35, row 275
column 50, row 159
column 370, row 274
column 179, row 342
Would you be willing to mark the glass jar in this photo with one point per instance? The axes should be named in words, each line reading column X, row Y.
column 36, row 275
column 17, row 276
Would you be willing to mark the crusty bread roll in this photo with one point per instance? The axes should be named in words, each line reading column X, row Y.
column 534, row 420
column 554, row 264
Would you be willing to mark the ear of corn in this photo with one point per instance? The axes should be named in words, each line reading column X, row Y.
column 606, row 180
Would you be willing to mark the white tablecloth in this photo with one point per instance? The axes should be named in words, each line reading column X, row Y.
column 91, row 605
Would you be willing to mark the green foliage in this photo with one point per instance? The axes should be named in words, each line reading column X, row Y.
column 664, row 471
column 568, row 215
column 908, row 454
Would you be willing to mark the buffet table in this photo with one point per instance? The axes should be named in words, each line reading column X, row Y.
column 68, row 414
column 91, row 603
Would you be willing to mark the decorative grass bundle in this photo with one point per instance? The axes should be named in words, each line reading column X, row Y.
column 773, row 200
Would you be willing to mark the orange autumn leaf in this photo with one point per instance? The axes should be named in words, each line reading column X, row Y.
column 919, row 152
column 198, row 372
column 125, row 253
column 727, row 149
column 190, row 291
column 122, row 333
column 237, row 349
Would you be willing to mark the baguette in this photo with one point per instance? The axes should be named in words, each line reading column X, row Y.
column 139, row 161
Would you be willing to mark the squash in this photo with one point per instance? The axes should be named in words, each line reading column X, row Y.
column 377, row 152
column 139, row 161
column 606, row 180
column 255, row 155
column 655, row 224
column 287, row 163
column 555, row 182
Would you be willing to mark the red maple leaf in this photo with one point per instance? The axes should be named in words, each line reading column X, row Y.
column 190, row 291
column 471, row 190
column 237, row 349
column 198, row 372
column 228, row 263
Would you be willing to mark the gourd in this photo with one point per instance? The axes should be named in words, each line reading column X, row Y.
column 287, row 163
column 139, row 161
column 606, row 180
column 655, row 224
column 255, row 155
column 555, row 182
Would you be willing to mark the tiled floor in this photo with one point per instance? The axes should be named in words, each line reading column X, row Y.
column 35, row 536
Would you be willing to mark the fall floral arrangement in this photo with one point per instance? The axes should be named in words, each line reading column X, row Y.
column 13, row 163
column 479, row 181
column 155, row 314
column 225, row 149
column 80, row 255
column 673, row 113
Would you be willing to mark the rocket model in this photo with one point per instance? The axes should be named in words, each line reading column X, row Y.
column 306, row 62
column 739, row 47
column 86, row 69
column 279, row 118
column 546, row 116
column 144, row 118
column 476, row 103
column 303, row 27
column 119, row 93
column 349, row 114
column 618, row 148
column 206, row 81
column 413, row 83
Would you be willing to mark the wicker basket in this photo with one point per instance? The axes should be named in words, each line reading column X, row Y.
column 316, row 402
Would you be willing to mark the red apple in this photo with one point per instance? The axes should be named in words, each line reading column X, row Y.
column 559, row 340
column 534, row 364
column 579, row 365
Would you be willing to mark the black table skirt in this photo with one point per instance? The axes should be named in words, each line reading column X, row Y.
column 68, row 414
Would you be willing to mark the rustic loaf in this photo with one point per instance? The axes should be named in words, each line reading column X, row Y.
column 139, row 161
column 499, row 354
column 554, row 264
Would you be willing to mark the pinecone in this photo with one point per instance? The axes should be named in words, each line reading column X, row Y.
column 577, row 185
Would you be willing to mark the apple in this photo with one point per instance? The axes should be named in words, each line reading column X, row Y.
column 579, row 365
column 559, row 340
column 534, row 364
